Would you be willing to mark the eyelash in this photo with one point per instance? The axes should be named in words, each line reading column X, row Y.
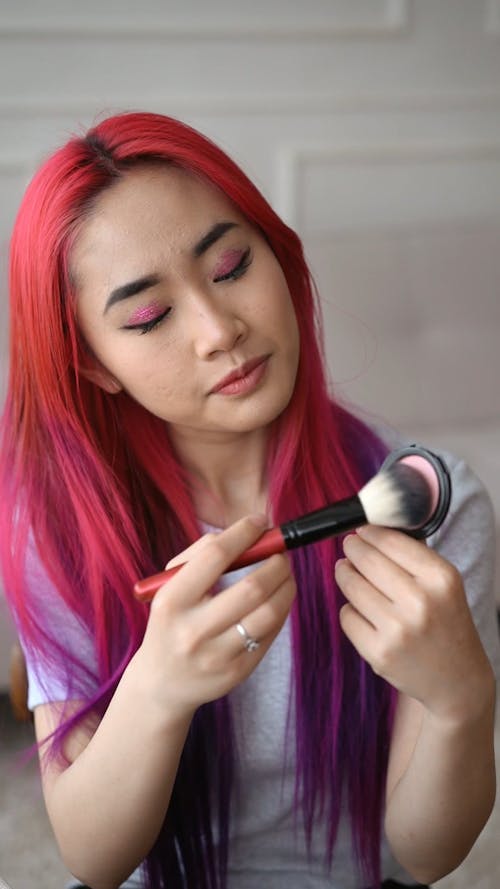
column 237, row 272
column 149, row 325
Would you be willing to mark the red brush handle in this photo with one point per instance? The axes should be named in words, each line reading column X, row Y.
column 270, row 543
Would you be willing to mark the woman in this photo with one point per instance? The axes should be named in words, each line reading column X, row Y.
column 167, row 398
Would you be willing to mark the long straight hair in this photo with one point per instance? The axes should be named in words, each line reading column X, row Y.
column 91, row 489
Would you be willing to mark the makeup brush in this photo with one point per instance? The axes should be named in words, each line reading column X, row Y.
column 411, row 492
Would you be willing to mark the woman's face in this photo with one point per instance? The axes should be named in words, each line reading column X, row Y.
column 184, row 305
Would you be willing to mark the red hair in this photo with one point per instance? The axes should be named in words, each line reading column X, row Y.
column 106, row 505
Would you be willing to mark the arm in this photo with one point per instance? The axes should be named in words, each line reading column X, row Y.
column 446, row 773
column 107, row 806
column 409, row 618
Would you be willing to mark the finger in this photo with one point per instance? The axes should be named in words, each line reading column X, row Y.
column 358, row 630
column 243, row 597
column 368, row 601
column 378, row 568
column 432, row 571
column 191, row 550
column 413, row 556
column 204, row 568
column 265, row 622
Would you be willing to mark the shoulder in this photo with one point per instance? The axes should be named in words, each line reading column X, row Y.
column 467, row 540
column 55, row 639
column 470, row 518
column 467, row 537
column 470, row 524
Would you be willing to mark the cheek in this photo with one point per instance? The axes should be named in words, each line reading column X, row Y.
column 156, row 378
column 275, row 303
column 285, row 319
column 102, row 343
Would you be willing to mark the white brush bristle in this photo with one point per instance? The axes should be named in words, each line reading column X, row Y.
column 398, row 497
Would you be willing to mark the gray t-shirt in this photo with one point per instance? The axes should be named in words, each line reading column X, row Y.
column 266, row 848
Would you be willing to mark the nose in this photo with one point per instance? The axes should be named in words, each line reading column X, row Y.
column 215, row 328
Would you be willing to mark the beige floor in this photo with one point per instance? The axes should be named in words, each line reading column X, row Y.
column 29, row 859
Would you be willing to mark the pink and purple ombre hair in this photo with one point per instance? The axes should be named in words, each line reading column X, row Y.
column 90, row 480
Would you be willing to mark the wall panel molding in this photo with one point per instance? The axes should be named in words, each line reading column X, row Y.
column 291, row 162
column 257, row 103
column 374, row 18
column 492, row 18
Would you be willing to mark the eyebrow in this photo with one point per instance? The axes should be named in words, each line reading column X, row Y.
column 131, row 289
column 125, row 291
column 213, row 235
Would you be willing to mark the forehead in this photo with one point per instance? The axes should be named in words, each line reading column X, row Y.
column 150, row 208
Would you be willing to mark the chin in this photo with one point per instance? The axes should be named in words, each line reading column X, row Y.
column 261, row 417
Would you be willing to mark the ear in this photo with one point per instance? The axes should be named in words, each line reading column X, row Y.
column 96, row 373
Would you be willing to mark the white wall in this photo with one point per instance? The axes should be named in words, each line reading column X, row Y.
column 372, row 125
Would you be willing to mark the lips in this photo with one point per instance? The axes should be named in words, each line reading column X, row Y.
column 255, row 367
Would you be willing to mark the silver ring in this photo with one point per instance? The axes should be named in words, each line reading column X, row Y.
column 249, row 643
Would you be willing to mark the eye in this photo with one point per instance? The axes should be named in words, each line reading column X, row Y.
column 237, row 268
column 148, row 326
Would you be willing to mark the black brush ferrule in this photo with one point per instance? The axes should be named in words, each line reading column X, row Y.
column 322, row 523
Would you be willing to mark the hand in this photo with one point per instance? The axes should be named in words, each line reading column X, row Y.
column 407, row 615
column 192, row 652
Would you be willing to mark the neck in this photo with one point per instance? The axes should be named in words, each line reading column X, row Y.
column 228, row 475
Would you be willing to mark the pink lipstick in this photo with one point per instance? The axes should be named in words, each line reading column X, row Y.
column 242, row 380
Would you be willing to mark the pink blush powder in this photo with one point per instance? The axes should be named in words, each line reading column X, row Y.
column 424, row 467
